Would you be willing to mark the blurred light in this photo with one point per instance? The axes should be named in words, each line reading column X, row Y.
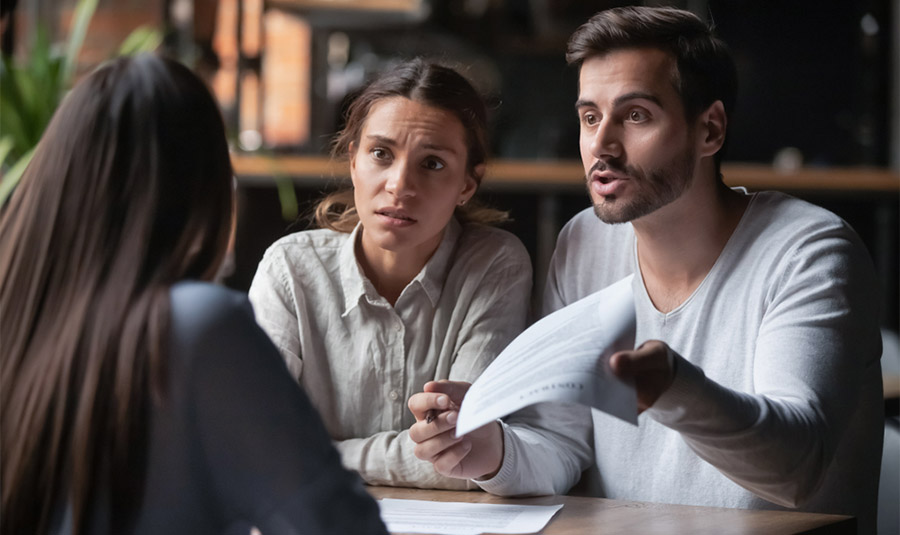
column 869, row 25
column 338, row 50
column 182, row 12
column 788, row 159
column 250, row 140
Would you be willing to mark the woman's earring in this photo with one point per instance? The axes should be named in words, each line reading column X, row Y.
column 462, row 202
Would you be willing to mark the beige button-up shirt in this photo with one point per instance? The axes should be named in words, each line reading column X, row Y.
column 360, row 359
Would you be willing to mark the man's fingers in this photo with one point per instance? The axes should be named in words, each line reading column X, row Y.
column 650, row 356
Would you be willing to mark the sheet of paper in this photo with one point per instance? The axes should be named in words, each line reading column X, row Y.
column 562, row 357
column 456, row 518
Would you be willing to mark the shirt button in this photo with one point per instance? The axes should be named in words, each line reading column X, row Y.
column 394, row 395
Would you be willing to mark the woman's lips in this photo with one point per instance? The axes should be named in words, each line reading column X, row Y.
column 395, row 217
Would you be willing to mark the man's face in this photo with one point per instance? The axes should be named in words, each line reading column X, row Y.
column 636, row 146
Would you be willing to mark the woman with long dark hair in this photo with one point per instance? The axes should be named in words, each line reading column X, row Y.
column 136, row 398
column 406, row 281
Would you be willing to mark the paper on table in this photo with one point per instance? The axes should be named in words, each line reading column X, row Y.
column 559, row 359
column 456, row 518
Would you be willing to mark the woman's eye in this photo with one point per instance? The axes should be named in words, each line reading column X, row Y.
column 379, row 153
column 433, row 164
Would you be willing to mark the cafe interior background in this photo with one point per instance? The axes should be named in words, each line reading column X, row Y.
column 817, row 116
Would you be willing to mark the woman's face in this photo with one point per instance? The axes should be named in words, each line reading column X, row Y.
column 409, row 173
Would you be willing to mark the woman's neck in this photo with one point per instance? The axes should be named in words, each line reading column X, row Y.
column 391, row 271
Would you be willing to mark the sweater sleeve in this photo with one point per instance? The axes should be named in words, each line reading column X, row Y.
column 817, row 346
column 546, row 447
column 497, row 312
column 265, row 451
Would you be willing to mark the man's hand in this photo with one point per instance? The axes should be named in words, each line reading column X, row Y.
column 477, row 455
column 652, row 368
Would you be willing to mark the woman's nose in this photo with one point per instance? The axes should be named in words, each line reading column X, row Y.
column 401, row 182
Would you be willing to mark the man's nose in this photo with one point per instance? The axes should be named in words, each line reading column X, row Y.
column 607, row 140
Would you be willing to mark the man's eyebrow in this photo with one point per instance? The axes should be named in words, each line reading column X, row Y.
column 637, row 95
column 621, row 99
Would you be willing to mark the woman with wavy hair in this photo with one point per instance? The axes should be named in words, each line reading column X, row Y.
column 135, row 397
column 406, row 281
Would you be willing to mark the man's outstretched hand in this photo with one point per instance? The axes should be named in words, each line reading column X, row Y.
column 651, row 367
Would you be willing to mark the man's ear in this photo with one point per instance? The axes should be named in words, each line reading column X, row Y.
column 711, row 132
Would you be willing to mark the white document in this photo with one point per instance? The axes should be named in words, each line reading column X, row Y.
column 563, row 357
column 456, row 518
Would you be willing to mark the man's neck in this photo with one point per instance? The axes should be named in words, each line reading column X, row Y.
column 679, row 243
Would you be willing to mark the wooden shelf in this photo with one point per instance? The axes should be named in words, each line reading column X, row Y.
column 569, row 173
column 355, row 5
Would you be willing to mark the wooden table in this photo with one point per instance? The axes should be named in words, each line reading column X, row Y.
column 592, row 516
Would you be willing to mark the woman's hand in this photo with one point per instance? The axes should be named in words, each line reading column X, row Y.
column 477, row 455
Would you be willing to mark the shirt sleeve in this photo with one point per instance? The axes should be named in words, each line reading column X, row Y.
column 266, row 453
column 817, row 346
column 497, row 313
column 546, row 447
column 275, row 309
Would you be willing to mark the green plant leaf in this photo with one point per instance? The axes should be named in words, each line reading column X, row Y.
column 12, row 110
column 142, row 39
column 6, row 145
column 12, row 176
column 287, row 197
column 84, row 11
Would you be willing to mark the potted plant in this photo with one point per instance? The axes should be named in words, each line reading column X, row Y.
column 31, row 90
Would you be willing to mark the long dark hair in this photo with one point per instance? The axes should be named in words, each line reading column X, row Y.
column 431, row 84
column 129, row 191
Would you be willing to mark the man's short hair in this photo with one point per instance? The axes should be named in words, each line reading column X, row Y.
column 706, row 71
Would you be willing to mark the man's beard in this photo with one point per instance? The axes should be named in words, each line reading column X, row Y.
column 650, row 191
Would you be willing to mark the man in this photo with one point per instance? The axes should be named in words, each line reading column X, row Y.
column 757, row 368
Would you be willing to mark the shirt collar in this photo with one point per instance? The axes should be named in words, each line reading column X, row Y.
column 434, row 274
column 353, row 281
column 431, row 278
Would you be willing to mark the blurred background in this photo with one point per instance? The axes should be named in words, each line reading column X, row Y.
column 818, row 112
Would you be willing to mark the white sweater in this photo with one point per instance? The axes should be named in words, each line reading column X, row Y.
column 777, row 398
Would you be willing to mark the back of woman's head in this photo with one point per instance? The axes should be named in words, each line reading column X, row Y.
column 129, row 191
column 134, row 165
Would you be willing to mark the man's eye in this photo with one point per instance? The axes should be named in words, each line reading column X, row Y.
column 433, row 164
column 589, row 119
column 637, row 116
